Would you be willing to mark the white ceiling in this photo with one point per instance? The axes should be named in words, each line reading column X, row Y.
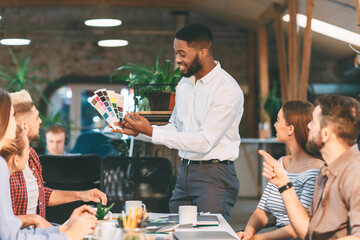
column 244, row 13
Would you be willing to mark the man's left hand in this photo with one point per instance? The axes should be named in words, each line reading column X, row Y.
column 93, row 195
column 140, row 124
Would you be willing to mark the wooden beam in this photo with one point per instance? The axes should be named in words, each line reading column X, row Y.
column 358, row 10
column 293, row 50
column 305, row 66
column 83, row 3
column 251, row 113
column 263, row 80
column 280, row 43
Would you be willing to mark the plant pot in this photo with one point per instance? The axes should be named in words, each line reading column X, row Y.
column 159, row 101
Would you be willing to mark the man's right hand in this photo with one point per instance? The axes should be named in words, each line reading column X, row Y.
column 125, row 129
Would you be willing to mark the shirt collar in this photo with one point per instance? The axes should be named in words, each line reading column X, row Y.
column 208, row 76
column 338, row 164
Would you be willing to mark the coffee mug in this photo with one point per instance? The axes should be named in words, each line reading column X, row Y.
column 133, row 204
column 188, row 214
column 104, row 230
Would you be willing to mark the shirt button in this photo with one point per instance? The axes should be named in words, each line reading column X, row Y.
column 33, row 168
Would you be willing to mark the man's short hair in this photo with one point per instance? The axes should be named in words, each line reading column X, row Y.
column 22, row 102
column 197, row 36
column 342, row 114
column 55, row 128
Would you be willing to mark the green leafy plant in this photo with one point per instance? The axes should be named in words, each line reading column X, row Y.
column 148, row 79
column 22, row 77
column 272, row 103
column 102, row 210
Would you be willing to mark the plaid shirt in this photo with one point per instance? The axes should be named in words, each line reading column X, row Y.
column 18, row 188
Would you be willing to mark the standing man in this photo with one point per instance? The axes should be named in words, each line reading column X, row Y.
column 28, row 193
column 335, row 210
column 204, row 126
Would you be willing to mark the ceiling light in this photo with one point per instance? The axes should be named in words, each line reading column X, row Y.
column 103, row 15
column 103, row 22
column 113, row 43
column 15, row 41
column 327, row 29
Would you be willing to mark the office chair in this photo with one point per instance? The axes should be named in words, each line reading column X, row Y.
column 69, row 172
column 94, row 143
column 148, row 179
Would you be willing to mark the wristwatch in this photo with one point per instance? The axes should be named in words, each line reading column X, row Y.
column 286, row 186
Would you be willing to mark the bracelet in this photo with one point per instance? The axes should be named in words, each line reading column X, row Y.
column 285, row 187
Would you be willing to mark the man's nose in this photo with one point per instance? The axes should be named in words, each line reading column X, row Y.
column 178, row 59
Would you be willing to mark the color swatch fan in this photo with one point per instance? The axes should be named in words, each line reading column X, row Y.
column 110, row 105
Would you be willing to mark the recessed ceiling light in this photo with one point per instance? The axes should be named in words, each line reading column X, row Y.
column 15, row 41
column 327, row 29
column 113, row 43
column 103, row 22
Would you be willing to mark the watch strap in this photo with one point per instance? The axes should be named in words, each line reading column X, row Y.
column 285, row 187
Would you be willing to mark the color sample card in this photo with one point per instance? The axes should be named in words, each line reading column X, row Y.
column 109, row 104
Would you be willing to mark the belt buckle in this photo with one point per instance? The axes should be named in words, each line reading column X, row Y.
column 216, row 161
column 186, row 161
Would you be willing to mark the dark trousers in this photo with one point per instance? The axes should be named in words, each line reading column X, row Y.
column 211, row 187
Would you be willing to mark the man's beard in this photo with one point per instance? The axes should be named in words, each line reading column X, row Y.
column 314, row 145
column 194, row 67
column 33, row 136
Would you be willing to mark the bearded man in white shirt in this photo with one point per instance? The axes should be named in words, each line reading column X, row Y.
column 204, row 126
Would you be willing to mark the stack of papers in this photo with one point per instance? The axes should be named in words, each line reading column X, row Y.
column 110, row 105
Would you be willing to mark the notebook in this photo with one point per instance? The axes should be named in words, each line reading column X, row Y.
column 199, row 235
column 201, row 219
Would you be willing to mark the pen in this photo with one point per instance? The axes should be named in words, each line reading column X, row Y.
column 131, row 117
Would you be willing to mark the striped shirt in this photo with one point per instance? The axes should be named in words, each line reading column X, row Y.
column 10, row 225
column 271, row 200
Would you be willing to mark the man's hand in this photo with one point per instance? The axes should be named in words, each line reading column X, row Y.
column 82, row 222
column 125, row 129
column 133, row 124
column 93, row 195
column 138, row 123
column 273, row 171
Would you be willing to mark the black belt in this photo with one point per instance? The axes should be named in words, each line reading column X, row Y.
column 212, row 161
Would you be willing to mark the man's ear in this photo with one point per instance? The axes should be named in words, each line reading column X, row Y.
column 325, row 134
column 204, row 53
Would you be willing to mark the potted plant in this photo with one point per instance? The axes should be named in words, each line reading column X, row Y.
column 21, row 77
column 155, row 83
column 102, row 210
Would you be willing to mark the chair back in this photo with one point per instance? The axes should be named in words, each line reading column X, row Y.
column 148, row 179
column 69, row 172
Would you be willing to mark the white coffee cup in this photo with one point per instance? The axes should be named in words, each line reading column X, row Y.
column 133, row 204
column 188, row 214
column 104, row 230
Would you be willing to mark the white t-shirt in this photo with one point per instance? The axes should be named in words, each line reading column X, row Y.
column 32, row 190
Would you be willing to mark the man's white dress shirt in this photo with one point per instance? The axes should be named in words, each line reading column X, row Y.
column 205, row 121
